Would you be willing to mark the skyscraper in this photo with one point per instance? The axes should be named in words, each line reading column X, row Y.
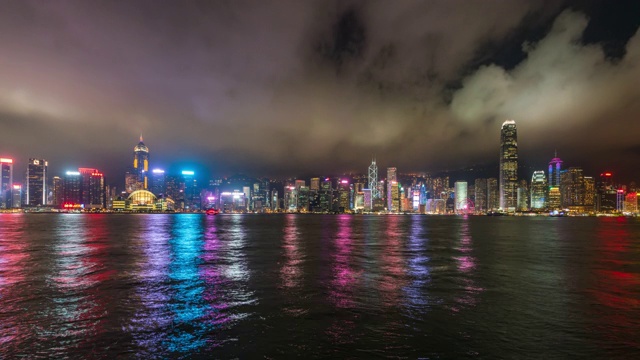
column 392, row 181
column 460, row 197
column 480, row 195
column 493, row 197
column 72, row 193
column 141, row 165
column 538, row 190
column 555, row 167
column 572, row 189
column 373, row 179
column 508, row 166
column 36, row 182
column 158, row 187
column 6, row 182
column 92, row 189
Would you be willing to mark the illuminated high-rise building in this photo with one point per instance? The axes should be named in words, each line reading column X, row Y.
column 189, row 187
column 373, row 180
column 589, row 193
column 72, row 192
column 16, row 196
column 493, row 197
column 538, row 190
column 460, row 204
column 344, row 196
column 6, row 182
column 326, row 195
column 392, row 181
column 141, row 165
column 57, row 185
column 572, row 188
column 36, row 181
column 158, row 186
column 523, row 196
column 315, row 184
column 480, row 195
column 555, row 168
column 92, row 189
column 508, row 166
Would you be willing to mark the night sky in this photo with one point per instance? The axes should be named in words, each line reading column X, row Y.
column 300, row 87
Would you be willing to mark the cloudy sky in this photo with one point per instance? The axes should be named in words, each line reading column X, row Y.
column 299, row 87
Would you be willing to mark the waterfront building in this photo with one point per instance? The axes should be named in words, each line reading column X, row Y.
column 373, row 179
column 314, row 184
column 290, row 198
column 493, row 197
column 36, row 182
column 367, row 199
column 16, row 196
column 141, row 165
column 57, row 185
column 631, row 202
column 461, row 203
column 72, row 194
column 555, row 168
column 344, row 195
column 190, row 191
column 394, row 196
column 572, row 190
column 554, row 198
column 480, row 187
column 303, row 198
column 508, row 166
column 158, row 183
column 392, row 181
column 92, row 188
column 539, row 189
column 589, row 193
column 523, row 196
column 6, row 182
column 607, row 195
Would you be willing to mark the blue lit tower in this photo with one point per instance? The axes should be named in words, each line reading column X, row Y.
column 508, row 166
column 141, row 164
column 373, row 180
column 555, row 167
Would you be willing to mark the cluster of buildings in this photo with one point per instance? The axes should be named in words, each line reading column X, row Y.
column 559, row 189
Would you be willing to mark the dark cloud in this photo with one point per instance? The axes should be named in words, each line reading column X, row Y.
column 290, row 87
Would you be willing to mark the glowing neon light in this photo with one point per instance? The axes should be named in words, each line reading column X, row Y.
column 17, row 187
column 158, row 171
column 6, row 161
column 345, row 181
column 187, row 172
column 73, row 173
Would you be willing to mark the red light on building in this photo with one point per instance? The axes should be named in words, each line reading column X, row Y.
column 6, row 161
column 607, row 174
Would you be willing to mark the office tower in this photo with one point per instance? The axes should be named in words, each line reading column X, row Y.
column 523, row 196
column 189, row 187
column 290, row 198
column 508, row 166
column 72, row 193
column 303, row 199
column 172, row 188
column 158, row 187
column 606, row 200
column 555, row 168
column 631, row 202
column 554, row 198
column 373, row 179
column 315, row 184
column 57, row 185
column 16, row 196
column 141, row 165
column 246, row 190
column 275, row 201
column 480, row 195
column 326, row 195
column 299, row 183
column 6, row 182
column 589, row 193
column 392, row 181
column 344, row 196
column 36, row 181
column 538, row 190
column 572, row 189
column 92, row 188
column 367, row 199
column 460, row 204
column 393, row 202
column 493, row 197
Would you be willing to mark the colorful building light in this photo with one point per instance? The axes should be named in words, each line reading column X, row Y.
column 188, row 172
column 6, row 161
column 158, row 171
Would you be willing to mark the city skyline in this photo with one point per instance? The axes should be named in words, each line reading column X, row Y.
column 325, row 89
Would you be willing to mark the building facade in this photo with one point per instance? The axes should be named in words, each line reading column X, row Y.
column 508, row 166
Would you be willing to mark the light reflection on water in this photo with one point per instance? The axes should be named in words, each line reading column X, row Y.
column 188, row 285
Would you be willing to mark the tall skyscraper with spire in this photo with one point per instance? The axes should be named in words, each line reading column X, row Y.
column 508, row 166
column 555, row 167
column 373, row 180
column 141, row 164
